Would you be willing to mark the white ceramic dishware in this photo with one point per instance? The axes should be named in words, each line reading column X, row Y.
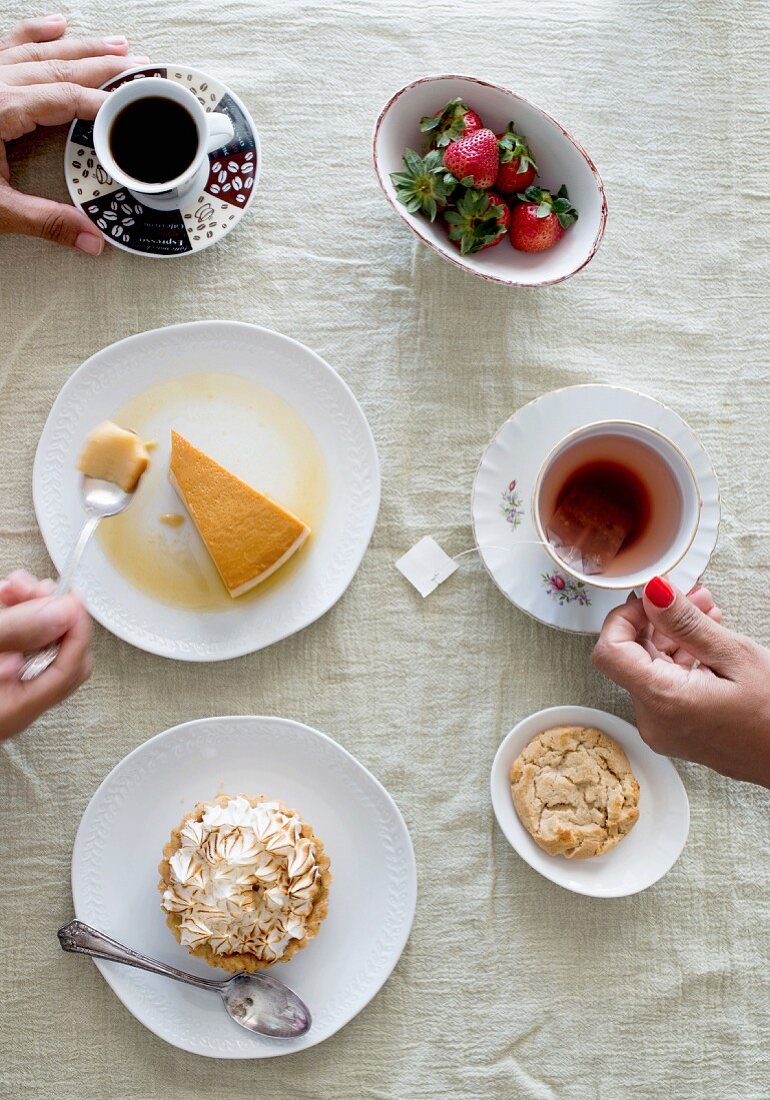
column 647, row 853
column 214, row 130
column 289, row 375
column 372, row 896
column 560, row 158
column 501, row 503
column 653, row 560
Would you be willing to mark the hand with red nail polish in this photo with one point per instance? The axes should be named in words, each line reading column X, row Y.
column 30, row 619
column 701, row 692
column 45, row 81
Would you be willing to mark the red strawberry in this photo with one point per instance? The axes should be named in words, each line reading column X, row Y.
column 517, row 169
column 539, row 221
column 479, row 220
column 454, row 121
column 473, row 159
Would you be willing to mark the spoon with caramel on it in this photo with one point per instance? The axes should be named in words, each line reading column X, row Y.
column 112, row 463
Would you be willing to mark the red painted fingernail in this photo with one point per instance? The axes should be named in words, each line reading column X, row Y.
column 659, row 592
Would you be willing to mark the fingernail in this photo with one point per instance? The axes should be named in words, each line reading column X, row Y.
column 59, row 18
column 89, row 243
column 659, row 592
column 116, row 40
column 137, row 59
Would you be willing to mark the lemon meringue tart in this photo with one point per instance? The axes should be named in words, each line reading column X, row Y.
column 244, row 882
column 246, row 533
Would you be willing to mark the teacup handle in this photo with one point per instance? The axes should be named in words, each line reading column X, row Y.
column 221, row 131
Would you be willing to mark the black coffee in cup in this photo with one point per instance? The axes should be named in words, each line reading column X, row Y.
column 153, row 139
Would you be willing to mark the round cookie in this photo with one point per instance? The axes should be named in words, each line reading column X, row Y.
column 575, row 792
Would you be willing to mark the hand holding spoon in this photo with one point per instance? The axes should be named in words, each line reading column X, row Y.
column 257, row 1002
column 101, row 499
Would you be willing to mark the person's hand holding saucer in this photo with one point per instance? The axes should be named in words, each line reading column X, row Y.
column 46, row 80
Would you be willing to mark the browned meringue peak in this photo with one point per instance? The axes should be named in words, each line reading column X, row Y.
column 243, row 880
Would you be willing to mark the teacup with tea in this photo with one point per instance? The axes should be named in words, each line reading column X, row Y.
column 616, row 503
column 153, row 136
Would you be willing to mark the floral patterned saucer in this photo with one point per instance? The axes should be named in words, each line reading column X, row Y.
column 501, row 509
column 205, row 216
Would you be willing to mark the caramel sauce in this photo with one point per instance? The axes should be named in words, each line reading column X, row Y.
column 247, row 428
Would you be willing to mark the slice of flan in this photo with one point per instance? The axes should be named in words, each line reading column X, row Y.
column 114, row 454
column 246, row 533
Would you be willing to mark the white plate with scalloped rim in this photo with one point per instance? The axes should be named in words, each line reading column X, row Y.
column 371, row 901
column 299, row 377
column 651, row 848
column 501, row 504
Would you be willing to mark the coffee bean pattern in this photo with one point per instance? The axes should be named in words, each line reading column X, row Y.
column 205, row 217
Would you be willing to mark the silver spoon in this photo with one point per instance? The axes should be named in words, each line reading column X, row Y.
column 257, row 1002
column 101, row 499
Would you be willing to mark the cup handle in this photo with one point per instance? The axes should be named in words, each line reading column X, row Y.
column 221, row 132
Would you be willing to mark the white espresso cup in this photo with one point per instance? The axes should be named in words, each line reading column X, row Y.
column 665, row 474
column 214, row 131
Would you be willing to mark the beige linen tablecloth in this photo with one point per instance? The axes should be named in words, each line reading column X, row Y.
column 509, row 986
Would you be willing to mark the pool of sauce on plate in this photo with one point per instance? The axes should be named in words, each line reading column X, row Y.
column 247, row 428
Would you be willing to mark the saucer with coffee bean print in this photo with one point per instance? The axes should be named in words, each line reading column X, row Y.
column 502, row 503
column 148, row 225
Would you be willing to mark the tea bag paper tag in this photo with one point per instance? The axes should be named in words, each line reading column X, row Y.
column 426, row 566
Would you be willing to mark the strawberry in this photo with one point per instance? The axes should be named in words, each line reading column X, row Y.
column 539, row 220
column 424, row 186
column 455, row 120
column 479, row 220
column 473, row 159
column 517, row 169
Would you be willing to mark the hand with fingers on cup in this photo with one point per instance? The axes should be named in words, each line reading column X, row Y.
column 47, row 80
column 701, row 692
column 30, row 619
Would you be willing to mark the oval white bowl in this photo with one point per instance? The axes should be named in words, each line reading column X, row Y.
column 560, row 159
column 651, row 848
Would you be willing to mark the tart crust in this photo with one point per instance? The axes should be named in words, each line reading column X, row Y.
column 243, row 960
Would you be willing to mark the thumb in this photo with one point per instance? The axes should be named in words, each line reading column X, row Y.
column 54, row 221
column 674, row 615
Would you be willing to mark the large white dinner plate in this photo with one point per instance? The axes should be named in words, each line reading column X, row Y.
column 371, row 901
column 647, row 853
column 301, row 378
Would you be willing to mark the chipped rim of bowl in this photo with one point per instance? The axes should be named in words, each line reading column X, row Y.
column 457, row 261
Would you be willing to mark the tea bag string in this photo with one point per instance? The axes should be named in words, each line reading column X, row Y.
column 505, row 549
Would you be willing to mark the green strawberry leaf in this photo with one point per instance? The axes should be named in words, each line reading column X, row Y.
column 429, row 123
column 513, row 145
column 422, row 187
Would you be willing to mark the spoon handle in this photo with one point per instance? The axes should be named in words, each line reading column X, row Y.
column 81, row 939
column 76, row 553
column 36, row 663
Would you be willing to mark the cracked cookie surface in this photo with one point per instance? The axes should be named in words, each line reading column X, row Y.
column 575, row 792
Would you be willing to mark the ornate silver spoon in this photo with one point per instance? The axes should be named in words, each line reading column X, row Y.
column 257, row 1002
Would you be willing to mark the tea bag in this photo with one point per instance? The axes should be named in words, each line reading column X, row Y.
column 588, row 529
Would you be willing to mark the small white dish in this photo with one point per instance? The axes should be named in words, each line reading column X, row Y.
column 302, row 380
column 167, row 226
column 501, row 505
column 371, row 902
column 560, row 158
column 651, row 848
